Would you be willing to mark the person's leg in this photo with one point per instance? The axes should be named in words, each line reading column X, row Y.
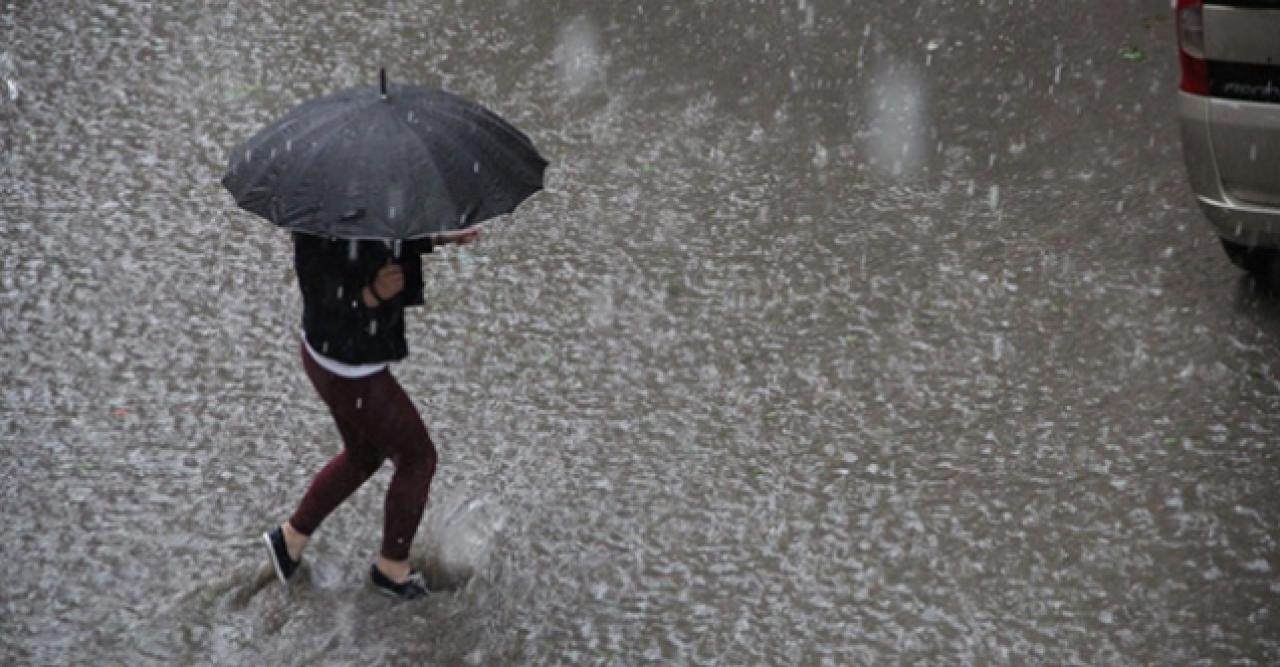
column 350, row 468
column 400, row 432
column 339, row 478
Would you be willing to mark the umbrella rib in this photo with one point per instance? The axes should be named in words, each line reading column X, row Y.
column 292, row 178
column 458, row 109
column 508, row 159
column 452, row 102
column 480, row 116
column 502, row 149
column 298, row 113
column 315, row 128
column 426, row 149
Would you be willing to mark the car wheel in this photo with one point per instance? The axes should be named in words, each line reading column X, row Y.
column 1261, row 263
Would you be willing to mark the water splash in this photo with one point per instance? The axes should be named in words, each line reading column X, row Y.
column 578, row 57
column 459, row 535
column 899, row 125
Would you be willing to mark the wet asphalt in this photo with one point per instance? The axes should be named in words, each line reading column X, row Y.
column 843, row 334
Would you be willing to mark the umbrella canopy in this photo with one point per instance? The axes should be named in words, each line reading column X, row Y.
column 384, row 162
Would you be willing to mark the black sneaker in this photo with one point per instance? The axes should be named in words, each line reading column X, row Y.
column 412, row 588
column 279, row 555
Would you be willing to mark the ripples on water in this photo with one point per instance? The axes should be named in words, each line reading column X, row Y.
column 725, row 393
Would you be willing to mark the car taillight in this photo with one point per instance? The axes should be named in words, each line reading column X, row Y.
column 1195, row 73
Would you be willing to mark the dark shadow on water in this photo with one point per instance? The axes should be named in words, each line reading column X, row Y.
column 1258, row 298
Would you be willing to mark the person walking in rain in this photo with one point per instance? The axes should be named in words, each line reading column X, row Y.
column 368, row 179
column 354, row 294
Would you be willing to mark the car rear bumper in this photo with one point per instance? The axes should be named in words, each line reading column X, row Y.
column 1244, row 222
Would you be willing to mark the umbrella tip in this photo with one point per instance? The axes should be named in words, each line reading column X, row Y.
column 382, row 78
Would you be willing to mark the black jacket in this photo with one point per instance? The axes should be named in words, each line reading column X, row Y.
column 332, row 273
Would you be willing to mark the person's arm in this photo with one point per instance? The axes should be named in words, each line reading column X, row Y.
column 335, row 282
column 427, row 244
column 458, row 236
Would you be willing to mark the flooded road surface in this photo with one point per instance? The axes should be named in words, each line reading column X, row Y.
column 845, row 333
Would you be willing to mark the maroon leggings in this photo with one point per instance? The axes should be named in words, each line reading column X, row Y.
column 377, row 421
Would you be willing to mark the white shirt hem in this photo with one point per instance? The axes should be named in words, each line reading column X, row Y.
column 350, row 371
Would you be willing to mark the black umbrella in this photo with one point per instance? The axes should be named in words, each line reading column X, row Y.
column 384, row 162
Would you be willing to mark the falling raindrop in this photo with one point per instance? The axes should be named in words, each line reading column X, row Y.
column 353, row 250
column 820, row 156
column 899, row 123
column 578, row 56
column 475, row 167
column 810, row 17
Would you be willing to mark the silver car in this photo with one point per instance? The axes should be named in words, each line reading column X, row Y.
column 1229, row 108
